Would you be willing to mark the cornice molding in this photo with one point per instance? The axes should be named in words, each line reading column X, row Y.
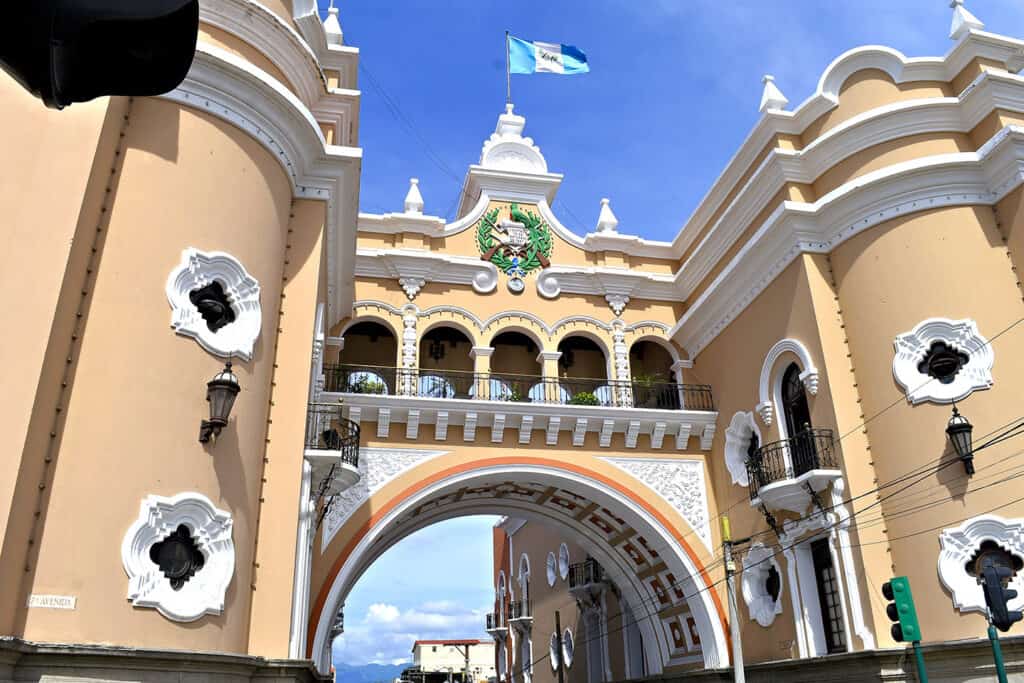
column 232, row 89
column 962, row 179
column 428, row 266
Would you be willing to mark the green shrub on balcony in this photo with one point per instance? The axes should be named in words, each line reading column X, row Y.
column 365, row 385
column 584, row 398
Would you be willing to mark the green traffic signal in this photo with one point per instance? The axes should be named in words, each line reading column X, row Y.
column 901, row 610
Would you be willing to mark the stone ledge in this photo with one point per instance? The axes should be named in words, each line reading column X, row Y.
column 957, row 661
column 22, row 660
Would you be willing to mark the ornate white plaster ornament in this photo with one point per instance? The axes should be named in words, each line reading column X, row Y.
column 963, row 20
column 210, row 531
column 199, row 269
column 962, row 336
column 740, row 431
column 621, row 353
column 410, row 316
column 377, row 466
column 413, row 198
column 679, row 482
column 563, row 561
column 606, row 220
column 552, row 569
column 332, row 27
column 808, row 375
column 411, row 286
column 960, row 544
column 617, row 302
column 508, row 150
column 772, row 97
column 758, row 564
column 547, row 285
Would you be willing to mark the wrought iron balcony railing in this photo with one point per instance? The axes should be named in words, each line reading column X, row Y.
column 495, row 622
column 585, row 573
column 455, row 384
column 327, row 430
column 811, row 449
column 519, row 610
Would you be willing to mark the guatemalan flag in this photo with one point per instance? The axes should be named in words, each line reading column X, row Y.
column 526, row 57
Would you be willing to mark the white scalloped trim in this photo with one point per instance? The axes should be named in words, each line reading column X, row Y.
column 963, row 335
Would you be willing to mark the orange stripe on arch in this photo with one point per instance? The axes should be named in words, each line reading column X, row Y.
column 325, row 589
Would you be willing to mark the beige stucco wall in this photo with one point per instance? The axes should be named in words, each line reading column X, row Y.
column 220, row 38
column 941, row 263
column 131, row 424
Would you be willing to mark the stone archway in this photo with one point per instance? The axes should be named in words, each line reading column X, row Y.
column 651, row 557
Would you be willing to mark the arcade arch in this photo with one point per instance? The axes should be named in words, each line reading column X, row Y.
column 648, row 554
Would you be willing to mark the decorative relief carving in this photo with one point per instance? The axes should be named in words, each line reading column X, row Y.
column 377, row 466
column 410, row 316
column 411, row 286
column 960, row 544
column 960, row 335
column 679, row 482
column 738, row 437
column 762, row 584
column 210, row 531
column 617, row 302
column 621, row 353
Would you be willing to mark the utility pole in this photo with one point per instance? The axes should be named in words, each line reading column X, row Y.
column 730, row 588
column 558, row 654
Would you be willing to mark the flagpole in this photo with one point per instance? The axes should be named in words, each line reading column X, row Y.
column 508, row 73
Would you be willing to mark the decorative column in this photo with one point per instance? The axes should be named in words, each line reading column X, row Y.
column 409, row 351
column 677, row 373
column 303, row 565
column 549, row 363
column 624, row 390
column 481, row 356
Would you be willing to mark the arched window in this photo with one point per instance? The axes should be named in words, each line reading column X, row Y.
column 501, row 597
column 797, row 414
column 446, row 367
column 524, row 579
column 367, row 361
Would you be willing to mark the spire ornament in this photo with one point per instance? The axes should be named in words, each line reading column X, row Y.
column 413, row 198
column 772, row 97
column 606, row 220
column 332, row 27
column 963, row 21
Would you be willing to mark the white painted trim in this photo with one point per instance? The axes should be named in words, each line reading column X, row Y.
column 424, row 266
column 198, row 269
column 809, row 376
column 962, row 335
column 210, row 528
column 303, row 565
column 842, row 533
column 957, row 546
column 737, row 440
column 551, row 568
column 757, row 562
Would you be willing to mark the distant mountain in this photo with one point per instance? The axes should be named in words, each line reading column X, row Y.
column 367, row 673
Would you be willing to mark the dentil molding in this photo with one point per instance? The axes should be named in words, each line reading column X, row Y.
column 757, row 563
column 679, row 482
column 959, row 544
column 198, row 269
column 209, row 528
column 962, row 335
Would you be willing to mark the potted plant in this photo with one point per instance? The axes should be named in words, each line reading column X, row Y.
column 645, row 390
column 584, row 398
column 516, row 394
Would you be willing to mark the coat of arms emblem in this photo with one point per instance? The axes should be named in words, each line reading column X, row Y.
column 516, row 245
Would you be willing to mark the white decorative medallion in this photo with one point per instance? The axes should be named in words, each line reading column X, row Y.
column 552, row 569
column 738, row 436
column 959, row 545
column 679, row 482
column 210, row 531
column 760, row 572
column 912, row 348
column 197, row 270
column 377, row 466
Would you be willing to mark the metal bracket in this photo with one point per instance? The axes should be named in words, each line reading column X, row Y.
column 772, row 522
column 814, row 497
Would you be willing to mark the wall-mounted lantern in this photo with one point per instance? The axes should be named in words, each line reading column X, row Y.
column 220, row 393
column 959, row 430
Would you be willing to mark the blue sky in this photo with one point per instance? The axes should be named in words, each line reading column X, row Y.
column 436, row 583
column 673, row 89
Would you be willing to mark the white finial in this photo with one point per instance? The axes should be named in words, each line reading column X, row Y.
column 332, row 27
column 606, row 220
column 509, row 107
column 413, row 198
column 963, row 21
column 772, row 97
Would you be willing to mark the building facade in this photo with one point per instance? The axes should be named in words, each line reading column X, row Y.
column 790, row 359
column 451, row 660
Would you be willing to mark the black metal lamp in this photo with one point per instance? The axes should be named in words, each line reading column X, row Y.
column 959, row 430
column 220, row 393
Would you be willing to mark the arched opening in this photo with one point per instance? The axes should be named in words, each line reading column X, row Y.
column 656, row 570
column 366, row 363
column 515, row 369
column 583, row 371
column 446, row 365
column 652, row 378
column 796, row 422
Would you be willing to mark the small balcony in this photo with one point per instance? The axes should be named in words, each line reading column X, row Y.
column 585, row 574
column 332, row 448
column 510, row 388
column 496, row 625
column 520, row 613
column 786, row 475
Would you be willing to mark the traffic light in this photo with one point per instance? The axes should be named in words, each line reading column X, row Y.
column 66, row 51
column 901, row 610
column 997, row 597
